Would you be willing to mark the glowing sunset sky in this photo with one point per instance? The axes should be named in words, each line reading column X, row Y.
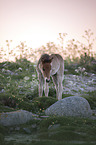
column 40, row 21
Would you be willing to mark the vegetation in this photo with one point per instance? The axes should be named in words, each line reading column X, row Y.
column 19, row 90
column 57, row 130
column 91, row 98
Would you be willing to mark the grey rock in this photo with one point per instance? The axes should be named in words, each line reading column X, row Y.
column 16, row 117
column 70, row 106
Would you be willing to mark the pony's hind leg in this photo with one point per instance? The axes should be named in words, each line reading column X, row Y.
column 54, row 77
column 58, row 85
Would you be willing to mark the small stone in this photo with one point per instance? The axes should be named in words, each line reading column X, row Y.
column 11, row 129
column 27, row 130
column 17, row 128
column 55, row 126
column 34, row 126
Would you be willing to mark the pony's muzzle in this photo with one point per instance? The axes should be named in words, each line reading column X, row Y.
column 47, row 81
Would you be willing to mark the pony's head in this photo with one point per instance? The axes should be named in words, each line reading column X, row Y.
column 46, row 68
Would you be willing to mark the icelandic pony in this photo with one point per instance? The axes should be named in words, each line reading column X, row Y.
column 51, row 65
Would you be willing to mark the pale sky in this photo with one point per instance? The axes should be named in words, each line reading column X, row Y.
column 40, row 21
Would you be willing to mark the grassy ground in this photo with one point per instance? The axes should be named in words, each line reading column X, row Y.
column 19, row 90
column 54, row 130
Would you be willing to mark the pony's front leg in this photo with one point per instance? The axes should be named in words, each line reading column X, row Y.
column 46, row 89
column 40, row 85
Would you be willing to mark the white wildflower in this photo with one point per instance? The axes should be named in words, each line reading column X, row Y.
column 3, row 70
column 26, row 78
column 83, row 69
column 77, row 70
column 91, row 81
column 33, row 75
column 20, row 86
column 31, row 83
column 70, row 83
column 85, row 73
column 92, row 74
column 8, row 84
column 34, row 65
column 8, row 77
column 81, row 89
column 19, row 68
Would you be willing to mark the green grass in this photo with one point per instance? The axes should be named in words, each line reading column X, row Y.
column 23, row 94
column 91, row 98
column 51, row 142
column 87, row 62
column 37, row 105
column 19, row 92
column 71, row 131
column 6, row 109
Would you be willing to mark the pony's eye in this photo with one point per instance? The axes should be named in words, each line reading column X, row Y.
column 43, row 69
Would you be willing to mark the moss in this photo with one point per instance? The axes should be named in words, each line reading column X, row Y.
column 37, row 105
column 66, row 95
column 26, row 106
column 44, row 102
column 6, row 109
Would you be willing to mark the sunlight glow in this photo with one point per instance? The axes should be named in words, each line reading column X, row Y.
column 40, row 21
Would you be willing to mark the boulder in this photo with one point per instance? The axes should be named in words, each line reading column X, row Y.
column 70, row 106
column 17, row 117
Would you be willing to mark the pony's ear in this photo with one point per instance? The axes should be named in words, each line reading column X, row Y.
column 51, row 58
column 42, row 60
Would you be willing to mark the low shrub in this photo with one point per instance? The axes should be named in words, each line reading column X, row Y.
column 91, row 98
column 43, row 103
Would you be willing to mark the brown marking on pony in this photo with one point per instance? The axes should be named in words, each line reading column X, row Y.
column 51, row 66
